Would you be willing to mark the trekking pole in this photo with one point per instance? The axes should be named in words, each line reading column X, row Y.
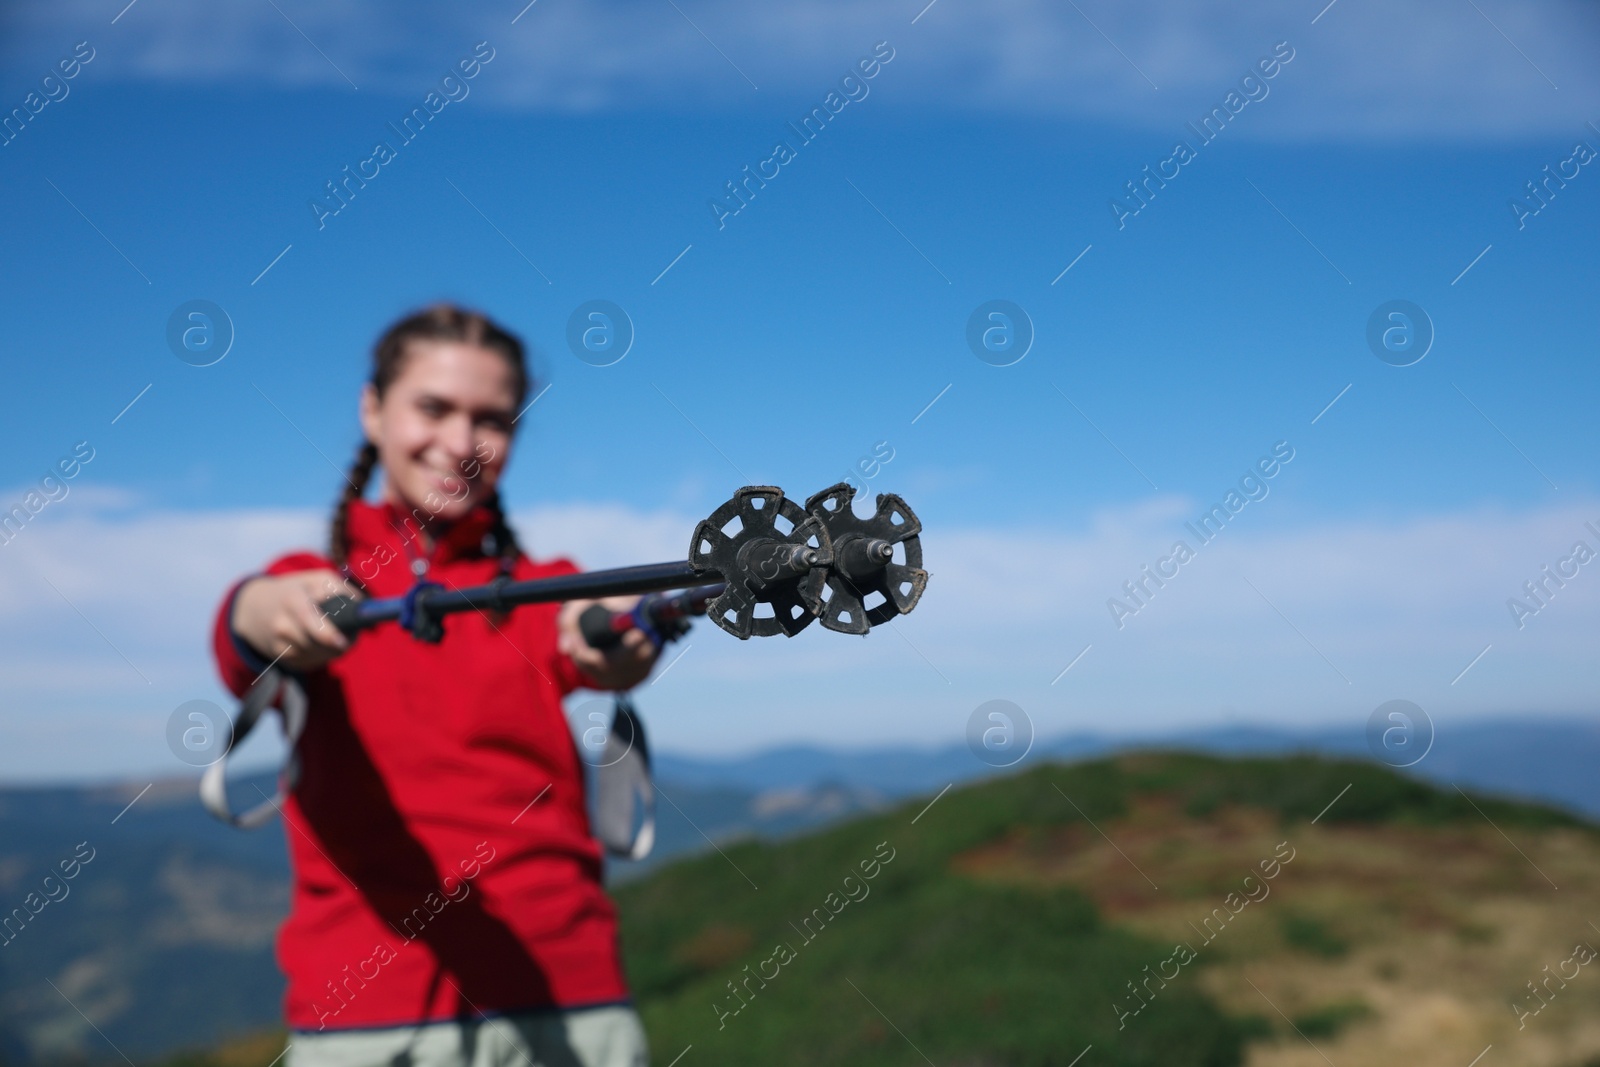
column 762, row 565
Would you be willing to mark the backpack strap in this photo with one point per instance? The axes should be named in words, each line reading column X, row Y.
column 275, row 686
column 625, row 793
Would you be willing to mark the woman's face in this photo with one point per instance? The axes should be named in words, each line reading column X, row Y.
column 443, row 428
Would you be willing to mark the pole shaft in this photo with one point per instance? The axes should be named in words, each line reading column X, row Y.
column 502, row 594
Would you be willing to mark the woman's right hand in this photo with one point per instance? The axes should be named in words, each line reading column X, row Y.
column 281, row 618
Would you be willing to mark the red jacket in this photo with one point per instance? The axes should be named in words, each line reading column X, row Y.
column 443, row 864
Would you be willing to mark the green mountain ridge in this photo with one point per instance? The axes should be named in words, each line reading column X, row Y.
column 932, row 960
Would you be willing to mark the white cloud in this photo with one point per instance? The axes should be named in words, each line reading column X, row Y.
column 1397, row 608
column 605, row 535
column 1388, row 71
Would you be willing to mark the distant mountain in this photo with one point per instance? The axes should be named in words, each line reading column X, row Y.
column 163, row 937
column 1550, row 759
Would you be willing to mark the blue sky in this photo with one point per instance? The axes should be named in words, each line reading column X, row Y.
column 822, row 319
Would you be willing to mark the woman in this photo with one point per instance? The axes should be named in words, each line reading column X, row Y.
column 447, row 905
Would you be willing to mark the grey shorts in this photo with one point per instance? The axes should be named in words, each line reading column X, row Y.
column 585, row 1037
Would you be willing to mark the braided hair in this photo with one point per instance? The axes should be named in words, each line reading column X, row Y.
column 441, row 322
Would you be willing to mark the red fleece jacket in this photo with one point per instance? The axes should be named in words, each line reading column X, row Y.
column 442, row 858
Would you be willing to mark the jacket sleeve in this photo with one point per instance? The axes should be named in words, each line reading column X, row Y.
column 239, row 664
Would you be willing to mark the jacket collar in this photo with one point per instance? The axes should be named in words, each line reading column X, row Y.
column 369, row 525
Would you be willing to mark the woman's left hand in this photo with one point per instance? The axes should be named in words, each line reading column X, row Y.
column 623, row 665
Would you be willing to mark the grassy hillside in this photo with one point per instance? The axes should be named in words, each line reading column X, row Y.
column 1384, row 922
column 1014, row 915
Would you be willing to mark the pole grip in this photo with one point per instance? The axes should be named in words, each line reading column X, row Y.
column 342, row 611
column 596, row 626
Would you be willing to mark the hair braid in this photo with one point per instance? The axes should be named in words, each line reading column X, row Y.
column 355, row 485
column 505, row 539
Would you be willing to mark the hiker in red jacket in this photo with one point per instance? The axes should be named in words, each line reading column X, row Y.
column 447, row 904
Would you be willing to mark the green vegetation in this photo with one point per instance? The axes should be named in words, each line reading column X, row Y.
column 1328, row 1020
column 248, row 1050
column 1310, row 935
column 965, row 968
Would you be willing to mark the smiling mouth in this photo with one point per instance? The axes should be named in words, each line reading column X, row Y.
column 449, row 481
